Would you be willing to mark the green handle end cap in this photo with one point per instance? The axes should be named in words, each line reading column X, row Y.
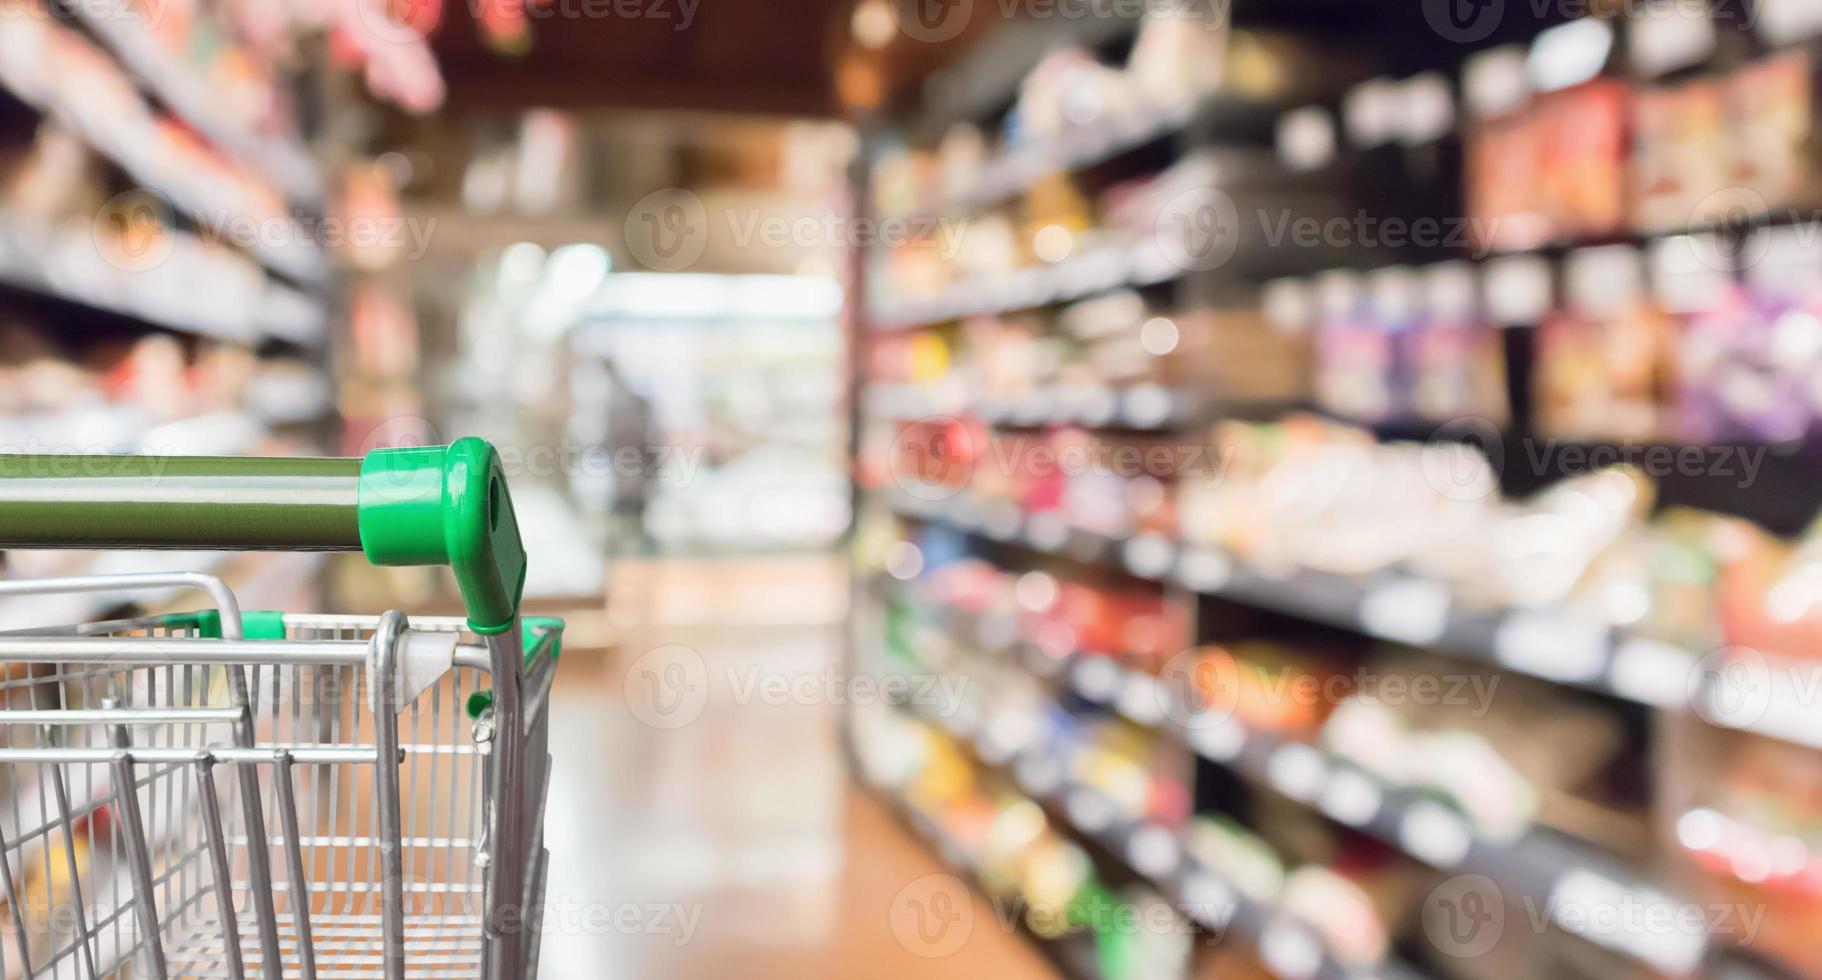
column 447, row 505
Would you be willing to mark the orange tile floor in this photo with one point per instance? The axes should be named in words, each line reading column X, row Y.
column 700, row 826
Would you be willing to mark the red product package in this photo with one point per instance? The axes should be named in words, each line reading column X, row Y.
column 1585, row 154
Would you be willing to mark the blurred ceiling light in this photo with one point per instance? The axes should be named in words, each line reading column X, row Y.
column 573, row 274
column 577, row 270
column 873, row 24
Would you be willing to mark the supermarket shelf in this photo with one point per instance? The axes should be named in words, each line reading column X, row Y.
column 276, row 571
column 129, row 145
column 1073, row 956
column 1136, row 407
column 187, row 94
column 244, row 304
column 1537, row 863
column 986, row 78
column 1140, row 263
column 1221, row 118
column 1553, row 645
column 1156, row 853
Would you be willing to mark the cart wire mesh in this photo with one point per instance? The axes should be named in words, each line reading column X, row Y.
column 314, row 890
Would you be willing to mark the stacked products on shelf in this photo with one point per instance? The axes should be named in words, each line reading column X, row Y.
column 1634, row 270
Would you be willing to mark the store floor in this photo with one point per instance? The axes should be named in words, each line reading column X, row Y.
column 708, row 826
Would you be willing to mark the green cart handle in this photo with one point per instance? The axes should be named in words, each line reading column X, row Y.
column 441, row 505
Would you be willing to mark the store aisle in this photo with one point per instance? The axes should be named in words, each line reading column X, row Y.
column 703, row 822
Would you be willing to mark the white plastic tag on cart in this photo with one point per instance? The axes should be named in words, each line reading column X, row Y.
column 424, row 657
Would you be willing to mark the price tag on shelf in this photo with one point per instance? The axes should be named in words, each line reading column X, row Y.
column 1518, row 290
column 1297, row 770
column 1047, row 530
column 1140, row 699
column 1221, row 742
column 1665, row 35
column 1002, row 520
column 1406, row 610
column 1435, row 835
column 1556, row 646
column 1149, row 555
column 1290, row 951
column 1351, row 798
column 1652, row 673
column 1089, row 809
column 1789, row 21
column 1147, row 406
column 1370, row 113
column 1306, row 139
column 1205, row 570
column 1038, row 773
column 1208, row 900
column 1288, row 305
column 1154, row 852
column 1096, row 678
column 1426, row 108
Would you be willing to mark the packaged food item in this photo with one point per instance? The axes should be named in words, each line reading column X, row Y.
column 1585, row 154
column 1238, row 855
column 1283, row 688
column 1682, row 152
column 1357, row 362
column 1460, row 358
column 1744, row 813
column 1242, row 356
column 1352, row 906
column 1606, row 356
column 1772, row 108
column 1504, row 147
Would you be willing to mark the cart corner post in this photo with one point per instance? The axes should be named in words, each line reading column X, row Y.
column 447, row 505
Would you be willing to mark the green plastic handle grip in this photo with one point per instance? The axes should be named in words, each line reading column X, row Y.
column 444, row 505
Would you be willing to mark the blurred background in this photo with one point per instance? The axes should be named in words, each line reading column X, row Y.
column 1112, row 489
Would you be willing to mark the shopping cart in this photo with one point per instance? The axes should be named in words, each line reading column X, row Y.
column 156, row 770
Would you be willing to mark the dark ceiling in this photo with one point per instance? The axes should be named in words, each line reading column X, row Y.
column 748, row 56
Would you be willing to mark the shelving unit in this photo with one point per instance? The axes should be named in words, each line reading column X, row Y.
column 199, row 322
column 973, row 352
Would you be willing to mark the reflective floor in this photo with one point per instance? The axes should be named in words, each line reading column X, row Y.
column 703, row 822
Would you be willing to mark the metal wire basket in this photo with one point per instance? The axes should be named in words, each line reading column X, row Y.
column 219, row 794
